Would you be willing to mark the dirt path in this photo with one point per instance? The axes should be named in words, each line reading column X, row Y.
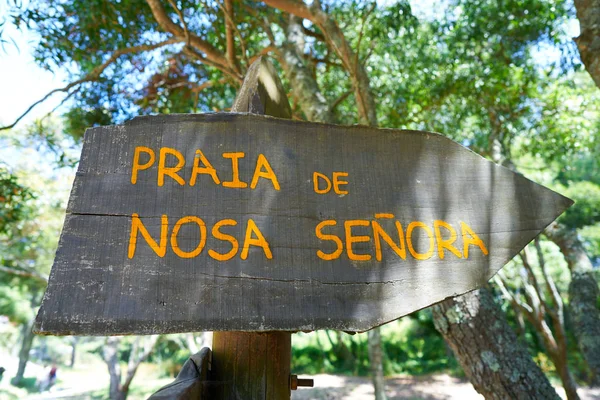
column 432, row 387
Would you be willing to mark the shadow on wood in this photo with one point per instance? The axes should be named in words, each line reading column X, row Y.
column 250, row 365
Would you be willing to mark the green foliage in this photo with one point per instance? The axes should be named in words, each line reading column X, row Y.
column 416, row 348
column 28, row 384
column 78, row 119
column 17, row 249
column 591, row 240
column 583, row 167
column 80, row 37
column 49, row 138
column 586, row 210
column 329, row 352
column 310, row 359
column 15, row 303
column 14, row 199
column 31, row 217
column 411, row 345
column 171, row 353
column 563, row 128
column 75, row 32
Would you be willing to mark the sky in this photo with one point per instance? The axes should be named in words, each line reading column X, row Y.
column 22, row 82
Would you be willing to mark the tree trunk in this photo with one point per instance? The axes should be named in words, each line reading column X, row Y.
column 304, row 87
column 583, row 296
column 567, row 379
column 357, row 72
column 343, row 353
column 118, row 395
column 110, row 354
column 588, row 42
column 74, row 342
column 557, row 351
column 136, row 357
column 26, row 343
column 376, row 363
column 111, row 357
column 497, row 365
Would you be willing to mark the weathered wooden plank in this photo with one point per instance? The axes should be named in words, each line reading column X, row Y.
column 251, row 365
column 418, row 177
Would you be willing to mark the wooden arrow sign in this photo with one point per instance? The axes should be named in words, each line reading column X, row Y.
column 250, row 223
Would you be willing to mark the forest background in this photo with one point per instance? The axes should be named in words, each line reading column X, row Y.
column 504, row 78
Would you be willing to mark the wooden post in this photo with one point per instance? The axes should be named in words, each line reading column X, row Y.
column 249, row 365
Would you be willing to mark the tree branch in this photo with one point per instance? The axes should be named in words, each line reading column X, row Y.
column 531, row 276
column 558, row 312
column 323, row 61
column 94, row 74
column 239, row 34
column 190, row 52
column 133, row 355
column 211, row 53
column 339, row 100
column 298, row 8
column 229, row 25
column 132, row 367
column 24, row 274
column 555, row 295
column 524, row 307
column 362, row 31
column 180, row 15
column 314, row 34
column 263, row 52
column 336, row 39
column 197, row 89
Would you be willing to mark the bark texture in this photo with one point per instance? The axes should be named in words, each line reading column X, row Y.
column 357, row 72
column 583, row 296
column 588, row 42
column 111, row 357
column 532, row 302
column 497, row 365
column 376, row 363
column 74, row 342
column 139, row 352
column 305, row 88
column 26, row 343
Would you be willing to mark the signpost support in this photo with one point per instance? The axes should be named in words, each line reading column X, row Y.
column 248, row 365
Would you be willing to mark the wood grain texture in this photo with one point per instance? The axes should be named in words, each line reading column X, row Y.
column 95, row 289
column 251, row 365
